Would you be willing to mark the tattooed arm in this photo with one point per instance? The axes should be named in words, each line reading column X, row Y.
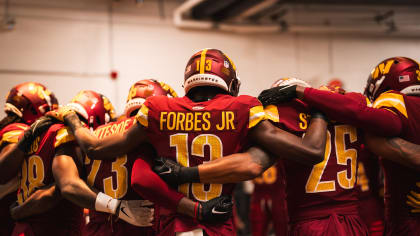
column 395, row 149
column 236, row 167
column 273, row 144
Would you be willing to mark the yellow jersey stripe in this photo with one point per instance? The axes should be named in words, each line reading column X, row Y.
column 391, row 100
column 63, row 136
column 256, row 114
column 11, row 136
column 141, row 116
column 203, row 61
column 368, row 103
column 272, row 113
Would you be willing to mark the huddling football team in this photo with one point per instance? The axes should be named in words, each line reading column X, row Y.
column 168, row 166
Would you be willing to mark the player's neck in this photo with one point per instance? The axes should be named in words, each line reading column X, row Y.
column 202, row 94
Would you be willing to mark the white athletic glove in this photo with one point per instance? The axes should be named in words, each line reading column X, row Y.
column 135, row 212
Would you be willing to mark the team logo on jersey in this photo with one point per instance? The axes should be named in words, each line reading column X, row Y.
column 196, row 108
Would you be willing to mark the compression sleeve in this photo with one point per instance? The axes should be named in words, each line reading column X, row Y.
column 353, row 110
column 151, row 187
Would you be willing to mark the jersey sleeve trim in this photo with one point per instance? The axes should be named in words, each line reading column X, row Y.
column 391, row 100
column 63, row 136
column 256, row 115
column 272, row 113
column 142, row 116
column 368, row 103
column 11, row 136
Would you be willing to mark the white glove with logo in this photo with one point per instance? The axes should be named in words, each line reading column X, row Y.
column 135, row 212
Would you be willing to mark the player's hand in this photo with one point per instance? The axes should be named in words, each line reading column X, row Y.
column 136, row 212
column 36, row 129
column 168, row 170
column 413, row 199
column 216, row 210
column 278, row 94
column 60, row 113
column 174, row 174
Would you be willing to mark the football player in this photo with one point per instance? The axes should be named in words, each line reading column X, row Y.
column 54, row 158
column 208, row 123
column 113, row 177
column 268, row 202
column 24, row 104
column 322, row 198
column 404, row 153
column 391, row 87
column 370, row 189
column 110, row 115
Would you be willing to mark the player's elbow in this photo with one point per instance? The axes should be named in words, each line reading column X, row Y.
column 316, row 155
column 249, row 170
column 68, row 190
column 255, row 171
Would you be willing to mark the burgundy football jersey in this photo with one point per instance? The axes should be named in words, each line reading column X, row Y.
column 9, row 134
column 37, row 172
column 271, row 182
column 314, row 191
column 268, row 202
column 114, row 177
column 192, row 133
column 369, row 185
column 399, row 180
column 369, row 180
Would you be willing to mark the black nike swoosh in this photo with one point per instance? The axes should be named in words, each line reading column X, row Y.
column 122, row 210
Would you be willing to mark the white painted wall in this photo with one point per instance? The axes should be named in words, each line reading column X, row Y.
column 75, row 39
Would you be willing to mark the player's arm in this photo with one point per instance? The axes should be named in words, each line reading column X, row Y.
column 308, row 150
column 339, row 107
column 149, row 186
column 39, row 202
column 13, row 153
column 395, row 149
column 244, row 166
column 236, row 167
column 11, row 159
column 66, row 175
column 74, row 189
column 109, row 147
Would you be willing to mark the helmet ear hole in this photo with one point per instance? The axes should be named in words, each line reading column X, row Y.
column 134, row 112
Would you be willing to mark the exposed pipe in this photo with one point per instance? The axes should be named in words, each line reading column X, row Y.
column 186, row 7
column 192, row 24
column 253, row 10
